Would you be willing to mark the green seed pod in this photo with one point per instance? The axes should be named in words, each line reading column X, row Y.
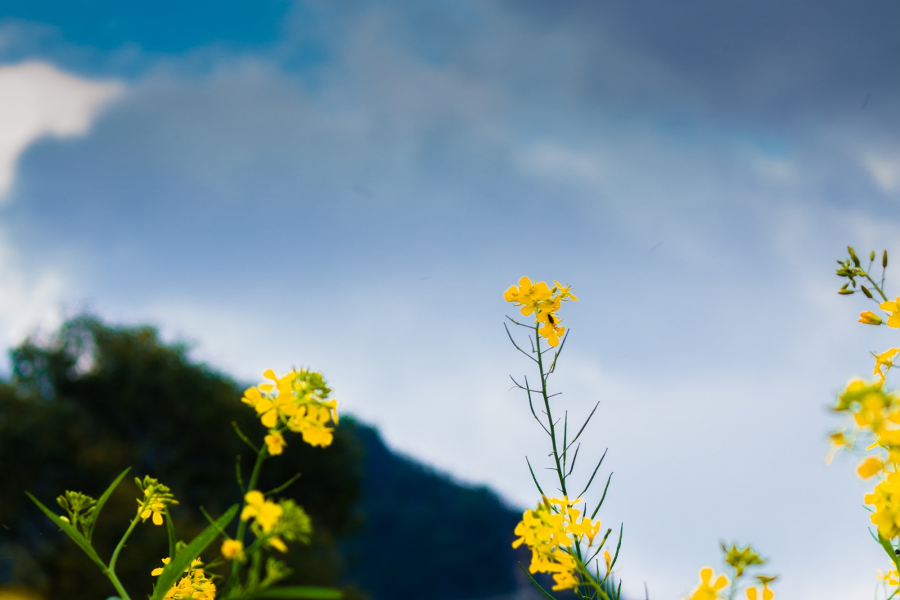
column 872, row 255
column 866, row 291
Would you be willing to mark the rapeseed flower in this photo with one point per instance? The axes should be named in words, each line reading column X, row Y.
column 300, row 401
column 550, row 531
column 275, row 443
column 708, row 589
column 753, row 594
column 232, row 550
column 894, row 309
column 886, row 500
column 194, row 586
column 890, row 577
column 265, row 512
column 157, row 497
column 870, row 467
column 543, row 302
column 884, row 361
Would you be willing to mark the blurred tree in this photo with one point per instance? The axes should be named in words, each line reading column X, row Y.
column 91, row 400
column 427, row 536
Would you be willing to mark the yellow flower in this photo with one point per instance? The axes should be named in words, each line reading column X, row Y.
column 883, row 361
column 275, row 443
column 158, row 570
column 232, row 550
column 870, row 318
column 886, row 500
column 607, row 559
column 565, row 291
column 156, row 509
column 551, row 332
column 708, row 590
column 767, row 594
column 870, row 467
column 310, row 422
column 265, row 513
column 890, row 577
column 894, row 309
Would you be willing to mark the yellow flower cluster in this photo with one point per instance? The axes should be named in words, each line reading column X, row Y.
column 543, row 302
column 297, row 401
column 876, row 415
column 265, row 514
column 156, row 498
column 885, row 360
column 550, row 532
column 891, row 577
column 195, row 585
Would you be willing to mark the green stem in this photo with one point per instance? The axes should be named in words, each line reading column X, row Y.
column 110, row 571
column 123, row 595
column 242, row 524
column 559, row 469
column 115, row 554
column 875, row 285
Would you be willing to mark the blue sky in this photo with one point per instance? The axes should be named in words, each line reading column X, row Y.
column 351, row 186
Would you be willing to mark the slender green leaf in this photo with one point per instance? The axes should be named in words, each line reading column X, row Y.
column 103, row 500
column 536, row 584
column 889, row 548
column 313, row 593
column 182, row 561
column 534, row 477
column 603, row 497
column 71, row 532
column 170, row 528
column 594, row 474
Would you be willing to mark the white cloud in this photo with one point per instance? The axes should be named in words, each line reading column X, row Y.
column 27, row 299
column 885, row 170
column 39, row 100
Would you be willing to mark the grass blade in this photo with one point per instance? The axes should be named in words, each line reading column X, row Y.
column 170, row 528
column 103, row 500
column 179, row 563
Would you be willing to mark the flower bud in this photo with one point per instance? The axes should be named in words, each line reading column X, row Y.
column 884, row 259
column 870, row 318
column 853, row 256
column 845, row 292
column 866, row 291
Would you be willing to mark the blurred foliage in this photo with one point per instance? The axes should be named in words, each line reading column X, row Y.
column 90, row 400
column 449, row 541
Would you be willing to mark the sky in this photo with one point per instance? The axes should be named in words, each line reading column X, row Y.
column 351, row 187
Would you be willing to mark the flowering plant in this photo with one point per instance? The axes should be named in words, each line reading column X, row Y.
column 565, row 540
column 872, row 416
column 298, row 402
